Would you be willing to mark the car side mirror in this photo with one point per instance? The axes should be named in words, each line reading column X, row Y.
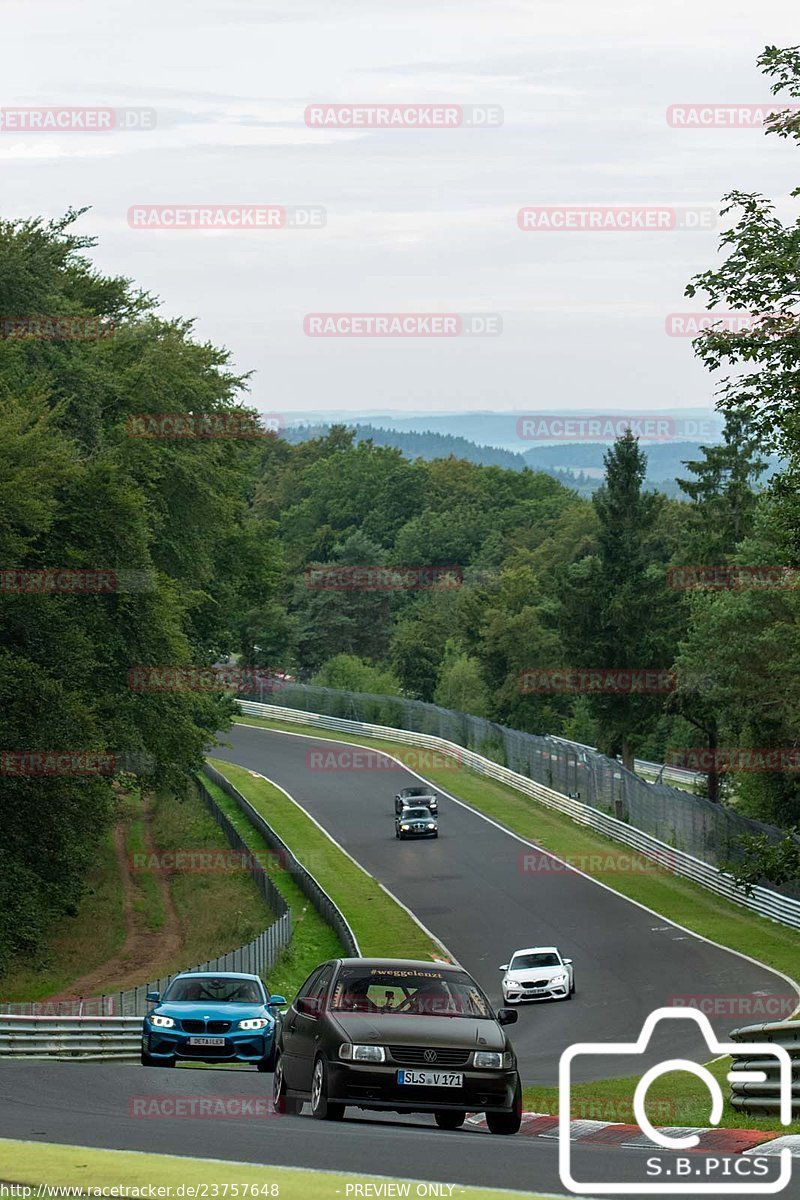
column 504, row 967
column 153, row 997
column 308, row 1005
column 276, row 1001
column 507, row 1016
column 567, row 962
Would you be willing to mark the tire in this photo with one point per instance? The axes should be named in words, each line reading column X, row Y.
column 449, row 1120
column 285, row 1106
column 572, row 989
column 507, row 1122
column 268, row 1063
column 321, row 1108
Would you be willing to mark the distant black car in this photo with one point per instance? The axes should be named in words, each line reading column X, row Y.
column 413, row 797
column 397, row 1035
column 416, row 822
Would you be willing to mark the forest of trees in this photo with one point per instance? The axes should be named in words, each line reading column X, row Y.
column 228, row 532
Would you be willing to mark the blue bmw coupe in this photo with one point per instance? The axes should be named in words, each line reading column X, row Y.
column 202, row 1017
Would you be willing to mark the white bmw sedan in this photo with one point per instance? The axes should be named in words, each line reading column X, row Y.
column 538, row 973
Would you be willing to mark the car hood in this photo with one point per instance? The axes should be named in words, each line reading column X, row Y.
column 464, row 1033
column 198, row 1010
column 535, row 973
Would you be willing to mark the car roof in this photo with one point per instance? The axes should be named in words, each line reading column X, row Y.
column 216, row 975
column 537, row 950
column 397, row 962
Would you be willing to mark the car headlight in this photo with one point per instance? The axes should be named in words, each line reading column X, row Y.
column 559, row 979
column 404, row 826
column 255, row 1023
column 494, row 1060
column 356, row 1053
column 162, row 1022
column 432, row 825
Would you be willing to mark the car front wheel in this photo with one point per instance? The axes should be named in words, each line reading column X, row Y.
column 285, row 1105
column 321, row 1107
column 507, row 1122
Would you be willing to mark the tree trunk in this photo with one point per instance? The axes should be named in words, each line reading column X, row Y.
column 713, row 774
column 628, row 755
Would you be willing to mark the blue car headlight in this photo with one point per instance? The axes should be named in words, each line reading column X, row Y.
column 161, row 1022
column 255, row 1023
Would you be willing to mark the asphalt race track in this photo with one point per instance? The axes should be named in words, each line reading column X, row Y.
column 93, row 1104
column 470, row 889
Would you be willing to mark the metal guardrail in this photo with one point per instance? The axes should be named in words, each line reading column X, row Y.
column 765, row 1097
column 89, row 1037
column 320, row 899
column 783, row 909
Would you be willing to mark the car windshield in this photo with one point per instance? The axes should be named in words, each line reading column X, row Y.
column 215, row 990
column 521, row 962
column 415, row 813
column 411, row 793
column 409, row 991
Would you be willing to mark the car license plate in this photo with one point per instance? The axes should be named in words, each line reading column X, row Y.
column 431, row 1078
column 206, row 1041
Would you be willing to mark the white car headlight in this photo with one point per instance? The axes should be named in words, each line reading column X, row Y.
column 356, row 1053
column 254, row 1023
column 162, row 1022
column 493, row 1060
column 562, row 978
column 404, row 826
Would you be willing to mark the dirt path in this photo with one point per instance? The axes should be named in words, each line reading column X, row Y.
column 145, row 952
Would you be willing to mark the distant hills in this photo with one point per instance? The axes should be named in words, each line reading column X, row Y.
column 578, row 465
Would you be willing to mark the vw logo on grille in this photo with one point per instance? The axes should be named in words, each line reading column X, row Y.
column 430, row 1056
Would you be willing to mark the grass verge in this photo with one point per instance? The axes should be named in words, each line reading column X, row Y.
column 37, row 1164
column 312, row 939
column 376, row 918
column 79, row 943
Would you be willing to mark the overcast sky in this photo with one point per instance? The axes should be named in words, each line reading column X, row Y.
column 417, row 220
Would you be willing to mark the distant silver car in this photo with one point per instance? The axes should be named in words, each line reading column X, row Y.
column 538, row 973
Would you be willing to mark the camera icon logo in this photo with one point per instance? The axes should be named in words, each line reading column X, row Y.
column 684, row 1140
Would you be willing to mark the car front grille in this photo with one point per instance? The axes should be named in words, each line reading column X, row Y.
column 535, row 983
column 415, row 1056
column 212, row 1027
